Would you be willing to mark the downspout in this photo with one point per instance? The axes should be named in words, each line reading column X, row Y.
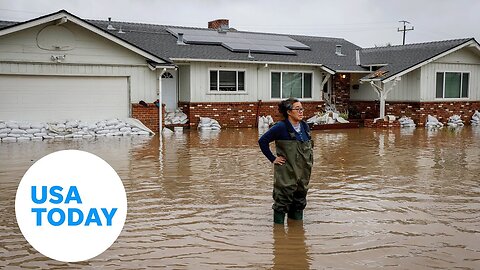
column 160, row 106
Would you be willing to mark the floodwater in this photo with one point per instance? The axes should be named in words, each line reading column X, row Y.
column 398, row 199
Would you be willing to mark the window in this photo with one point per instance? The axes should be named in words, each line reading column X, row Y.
column 167, row 75
column 227, row 80
column 452, row 85
column 291, row 84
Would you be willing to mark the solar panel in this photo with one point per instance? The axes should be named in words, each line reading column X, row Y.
column 241, row 41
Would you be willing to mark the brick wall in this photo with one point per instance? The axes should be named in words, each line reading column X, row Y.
column 419, row 111
column 381, row 124
column 363, row 109
column 239, row 114
column 216, row 24
column 341, row 90
column 147, row 115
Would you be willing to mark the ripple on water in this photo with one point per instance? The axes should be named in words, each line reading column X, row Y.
column 408, row 200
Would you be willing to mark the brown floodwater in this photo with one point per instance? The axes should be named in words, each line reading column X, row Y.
column 400, row 199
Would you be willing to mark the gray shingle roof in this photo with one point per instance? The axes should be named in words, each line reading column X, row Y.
column 4, row 24
column 400, row 58
column 158, row 41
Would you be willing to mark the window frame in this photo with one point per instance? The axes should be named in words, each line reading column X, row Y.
column 221, row 92
column 461, row 85
column 311, row 72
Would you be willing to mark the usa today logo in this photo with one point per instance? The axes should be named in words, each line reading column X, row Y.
column 71, row 205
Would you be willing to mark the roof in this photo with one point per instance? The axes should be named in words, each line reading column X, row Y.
column 158, row 41
column 398, row 59
column 4, row 24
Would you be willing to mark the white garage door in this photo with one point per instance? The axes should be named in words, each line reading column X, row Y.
column 50, row 98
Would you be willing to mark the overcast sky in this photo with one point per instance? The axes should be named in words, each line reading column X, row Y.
column 364, row 22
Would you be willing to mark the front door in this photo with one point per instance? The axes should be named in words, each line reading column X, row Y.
column 169, row 90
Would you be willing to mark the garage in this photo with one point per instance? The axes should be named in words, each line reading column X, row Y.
column 52, row 98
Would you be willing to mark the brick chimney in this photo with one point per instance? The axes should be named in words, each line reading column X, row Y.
column 219, row 24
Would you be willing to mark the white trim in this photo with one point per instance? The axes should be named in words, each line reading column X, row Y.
column 353, row 71
column 331, row 71
column 461, row 86
column 374, row 65
column 469, row 43
column 369, row 80
column 281, row 79
column 218, row 91
column 82, row 23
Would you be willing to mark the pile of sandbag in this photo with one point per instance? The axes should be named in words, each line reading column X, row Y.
column 12, row 131
column 433, row 122
column 177, row 117
column 208, row 123
column 475, row 121
column 455, row 121
column 406, row 121
column 265, row 121
column 329, row 117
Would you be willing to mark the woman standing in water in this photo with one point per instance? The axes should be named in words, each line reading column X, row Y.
column 293, row 163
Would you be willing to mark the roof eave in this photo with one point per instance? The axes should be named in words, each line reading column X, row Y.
column 353, row 71
column 70, row 17
column 371, row 80
column 470, row 42
column 325, row 68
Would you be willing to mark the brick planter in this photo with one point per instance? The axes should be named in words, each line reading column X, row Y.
column 239, row 114
column 148, row 115
column 419, row 111
column 381, row 124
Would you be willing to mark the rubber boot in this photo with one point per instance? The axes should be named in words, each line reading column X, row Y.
column 278, row 217
column 296, row 215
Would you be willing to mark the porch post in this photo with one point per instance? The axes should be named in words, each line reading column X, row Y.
column 381, row 97
column 382, row 94
column 382, row 105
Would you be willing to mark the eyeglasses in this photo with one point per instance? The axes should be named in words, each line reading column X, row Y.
column 298, row 109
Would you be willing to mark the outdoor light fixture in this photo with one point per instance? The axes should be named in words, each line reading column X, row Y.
column 344, row 76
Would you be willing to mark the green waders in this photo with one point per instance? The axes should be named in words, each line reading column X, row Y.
column 292, row 178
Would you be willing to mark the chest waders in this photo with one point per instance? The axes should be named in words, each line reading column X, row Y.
column 291, row 179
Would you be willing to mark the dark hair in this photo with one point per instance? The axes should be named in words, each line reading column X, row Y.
column 286, row 105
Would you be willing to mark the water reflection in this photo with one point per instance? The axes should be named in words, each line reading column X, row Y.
column 378, row 198
column 289, row 248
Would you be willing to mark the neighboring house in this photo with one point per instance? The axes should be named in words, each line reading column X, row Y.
column 438, row 78
column 60, row 65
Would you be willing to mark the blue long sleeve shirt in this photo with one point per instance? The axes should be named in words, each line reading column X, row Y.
column 280, row 132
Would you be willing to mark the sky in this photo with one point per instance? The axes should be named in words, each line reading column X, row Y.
column 367, row 23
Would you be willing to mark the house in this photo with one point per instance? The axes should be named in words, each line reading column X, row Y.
column 60, row 65
column 438, row 78
column 235, row 76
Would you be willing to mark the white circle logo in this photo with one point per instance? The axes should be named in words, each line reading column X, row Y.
column 71, row 205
